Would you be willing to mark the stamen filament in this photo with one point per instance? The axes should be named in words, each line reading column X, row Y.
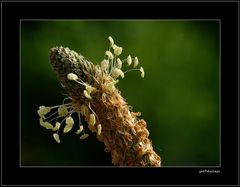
column 131, row 70
column 51, row 115
column 93, row 111
column 53, row 119
column 66, row 99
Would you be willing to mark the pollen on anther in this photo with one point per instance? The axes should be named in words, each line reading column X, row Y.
column 142, row 72
column 43, row 111
column 111, row 41
column 116, row 72
column 56, row 137
column 129, row 60
column 57, row 126
column 84, row 136
column 99, row 129
column 86, row 94
column 69, row 124
column 117, row 50
column 80, row 129
column 92, row 119
column 62, row 111
column 119, row 63
column 72, row 76
column 135, row 62
column 104, row 64
column 109, row 54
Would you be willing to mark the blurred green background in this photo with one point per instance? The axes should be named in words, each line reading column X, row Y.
column 178, row 98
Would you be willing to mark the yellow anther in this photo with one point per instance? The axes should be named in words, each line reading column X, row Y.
column 62, row 111
column 92, row 119
column 135, row 62
column 72, row 76
column 56, row 137
column 84, row 136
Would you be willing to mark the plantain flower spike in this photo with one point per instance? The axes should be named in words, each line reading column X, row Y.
column 93, row 95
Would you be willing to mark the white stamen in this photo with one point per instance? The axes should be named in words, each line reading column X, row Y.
column 43, row 111
column 62, row 111
column 119, row 63
column 116, row 72
column 142, row 72
column 117, row 50
column 99, row 129
column 90, row 89
column 86, row 94
column 69, row 124
column 111, row 41
column 72, row 76
column 104, row 64
column 92, row 119
column 57, row 126
column 46, row 124
column 84, row 136
column 84, row 110
column 109, row 54
column 129, row 60
column 56, row 137
column 135, row 62
column 80, row 129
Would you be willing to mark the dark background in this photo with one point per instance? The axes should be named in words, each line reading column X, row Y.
column 178, row 98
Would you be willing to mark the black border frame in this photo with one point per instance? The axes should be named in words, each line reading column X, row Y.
column 12, row 174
